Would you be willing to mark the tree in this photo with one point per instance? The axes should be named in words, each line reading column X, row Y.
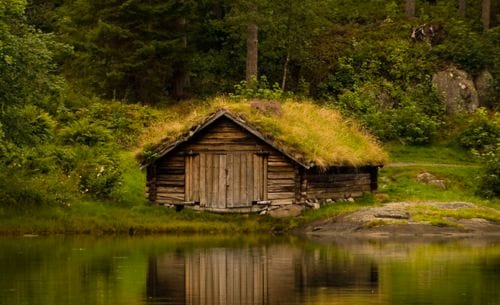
column 252, row 51
column 462, row 8
column 410, row 7
column 26, row 59
column 486, row 14
column 290, row 34
column 133, row 50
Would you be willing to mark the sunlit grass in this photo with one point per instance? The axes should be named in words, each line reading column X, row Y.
column 312, row 133
column 432, row 213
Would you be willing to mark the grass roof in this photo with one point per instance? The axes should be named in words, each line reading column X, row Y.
column 308, row 132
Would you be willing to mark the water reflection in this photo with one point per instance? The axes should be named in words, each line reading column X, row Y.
column 246, row 270
column 277, row 274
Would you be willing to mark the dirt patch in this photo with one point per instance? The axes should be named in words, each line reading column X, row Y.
column 405, row 219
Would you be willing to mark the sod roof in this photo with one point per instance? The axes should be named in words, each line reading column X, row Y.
column 310, row 134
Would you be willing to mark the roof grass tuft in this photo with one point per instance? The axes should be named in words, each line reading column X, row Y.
column 311, row 133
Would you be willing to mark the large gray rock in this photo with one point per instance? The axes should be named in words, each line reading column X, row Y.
column 457, row 90
column 484, row 88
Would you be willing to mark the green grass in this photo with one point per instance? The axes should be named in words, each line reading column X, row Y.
column 102, row 218
column 437, row 154
column 435, row 214
column 456, row 167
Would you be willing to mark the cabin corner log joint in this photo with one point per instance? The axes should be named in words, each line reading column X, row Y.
column 226, row 165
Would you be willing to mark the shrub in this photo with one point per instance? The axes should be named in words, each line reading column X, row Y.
column 85, row 132
column 389, row 112
column 489, row 181
column 414, row 126
column 99, row 171
column 482, row 131
column 260, row 89
column 25, row 190
column 28, row 125
column 125, row 122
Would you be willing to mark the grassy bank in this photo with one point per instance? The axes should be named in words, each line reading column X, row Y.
column 105, row 218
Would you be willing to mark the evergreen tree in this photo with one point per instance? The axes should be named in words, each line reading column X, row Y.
column 130, row 50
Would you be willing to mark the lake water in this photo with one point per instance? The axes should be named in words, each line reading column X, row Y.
column 245, row 270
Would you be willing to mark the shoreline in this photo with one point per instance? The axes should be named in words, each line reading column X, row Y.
column 428, row 220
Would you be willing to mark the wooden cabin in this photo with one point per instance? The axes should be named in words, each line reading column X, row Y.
column 226, row 165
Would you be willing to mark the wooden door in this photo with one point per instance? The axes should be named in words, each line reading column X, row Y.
column 219, row 180
column 246, row 179
column 213, row 183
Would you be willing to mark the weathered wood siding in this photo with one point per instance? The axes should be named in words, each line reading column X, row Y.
column 281, row 180
column 222, row 167
column 340, row 182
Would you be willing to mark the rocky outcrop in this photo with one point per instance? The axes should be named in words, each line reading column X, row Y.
column 410, row 220
column 457, row 90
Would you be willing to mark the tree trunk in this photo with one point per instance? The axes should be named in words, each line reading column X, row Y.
column 410, row 8
column 252, row 51
column 486, row 14
column 462, row 8
column 285, row 71
column 180, row 75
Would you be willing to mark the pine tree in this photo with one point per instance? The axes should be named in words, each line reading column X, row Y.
column 133, row 50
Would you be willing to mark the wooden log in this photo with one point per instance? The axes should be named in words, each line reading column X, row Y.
column 282, row 201
column 279, row 175
column 170, row 178
column 281, row 189
column 169, row 190
column 281, row 195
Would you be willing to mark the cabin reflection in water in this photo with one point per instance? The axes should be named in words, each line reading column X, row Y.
column 261, row 275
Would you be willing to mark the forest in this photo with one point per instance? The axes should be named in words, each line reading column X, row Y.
column 80, row 80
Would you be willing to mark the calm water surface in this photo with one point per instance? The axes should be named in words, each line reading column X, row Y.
column 245, row 270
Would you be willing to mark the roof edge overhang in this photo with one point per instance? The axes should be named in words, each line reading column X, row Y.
column 212, row 119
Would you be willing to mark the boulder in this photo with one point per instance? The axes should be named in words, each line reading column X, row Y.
column 430, row 179
column 291, row 210
column 484, row 88
column 457, row 90
column 425, row 177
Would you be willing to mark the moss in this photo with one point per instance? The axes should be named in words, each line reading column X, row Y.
column 311, row 133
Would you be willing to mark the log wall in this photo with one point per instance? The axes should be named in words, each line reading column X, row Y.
column 340, row 182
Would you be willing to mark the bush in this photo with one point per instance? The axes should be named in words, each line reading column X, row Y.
column 25, row 190
column 99, row 171
column 389, row 112
column 482, row 131
column 259, row 89
column 122, row 122
column 489, row 181
column 85, row 132
column 28, row 125
column 413, row 126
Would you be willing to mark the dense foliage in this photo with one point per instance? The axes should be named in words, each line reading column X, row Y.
column 74, row 73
